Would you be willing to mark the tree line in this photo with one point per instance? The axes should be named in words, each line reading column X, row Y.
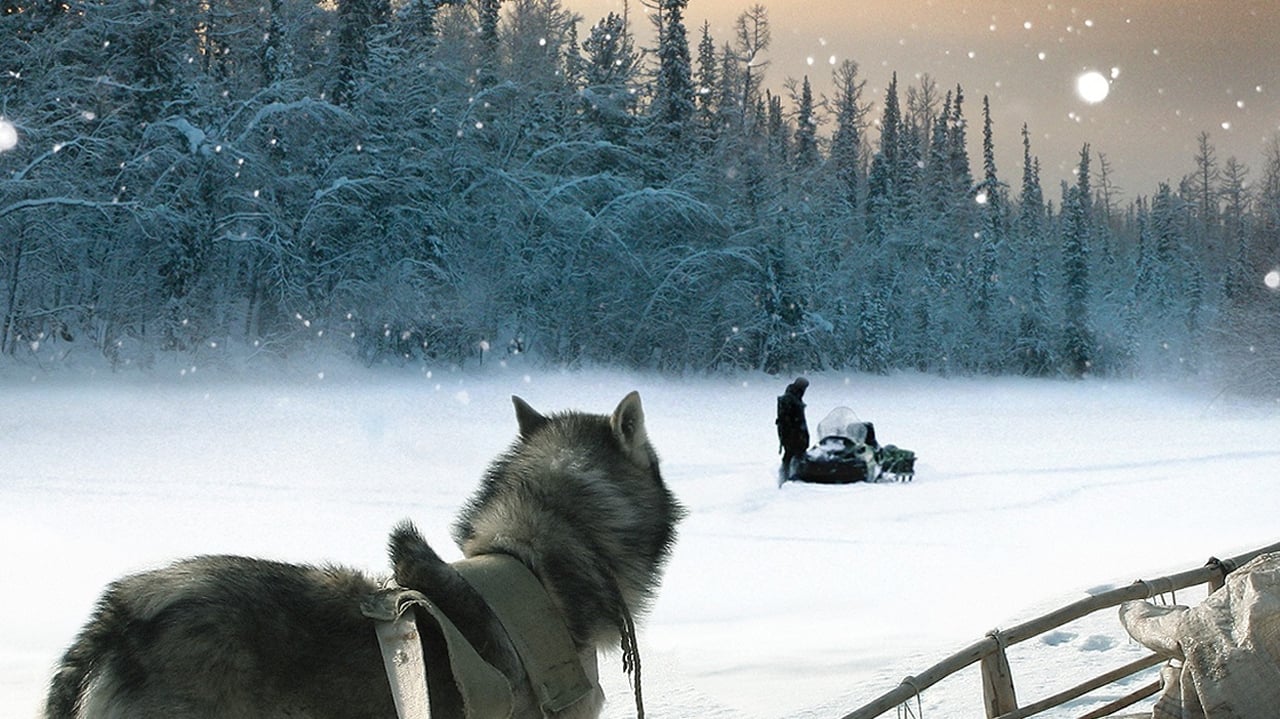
column 449, row 179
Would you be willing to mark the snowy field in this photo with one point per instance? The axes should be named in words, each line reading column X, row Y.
column 801, row 601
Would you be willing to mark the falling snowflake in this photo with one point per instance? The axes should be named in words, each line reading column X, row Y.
column 8, row 135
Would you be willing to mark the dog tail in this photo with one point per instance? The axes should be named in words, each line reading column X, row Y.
column 84, row 659
column 414, row 563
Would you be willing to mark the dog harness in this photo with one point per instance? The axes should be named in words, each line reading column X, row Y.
column 538, row 634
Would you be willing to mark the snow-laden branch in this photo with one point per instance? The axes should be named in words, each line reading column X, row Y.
column 63, row 202
column 343, row 183
column 306, row 104
column 22, row 174
column 195, row 136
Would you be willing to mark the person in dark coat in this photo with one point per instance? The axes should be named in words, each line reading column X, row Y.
column 793, row 430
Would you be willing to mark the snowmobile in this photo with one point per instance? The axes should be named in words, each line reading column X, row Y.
column 847, row 451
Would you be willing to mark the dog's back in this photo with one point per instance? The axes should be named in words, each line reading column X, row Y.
column 230, row 632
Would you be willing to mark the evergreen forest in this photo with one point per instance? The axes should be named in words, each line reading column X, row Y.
column 458, row 181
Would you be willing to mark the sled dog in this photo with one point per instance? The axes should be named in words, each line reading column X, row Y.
column 577, row 499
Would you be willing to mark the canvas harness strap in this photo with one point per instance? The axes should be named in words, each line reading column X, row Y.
column 531, row 621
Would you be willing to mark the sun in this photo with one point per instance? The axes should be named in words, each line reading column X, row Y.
column 1093, row 87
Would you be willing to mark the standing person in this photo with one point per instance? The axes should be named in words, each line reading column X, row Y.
column 793, row 430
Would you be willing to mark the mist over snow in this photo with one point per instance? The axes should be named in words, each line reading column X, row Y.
column 802, row 600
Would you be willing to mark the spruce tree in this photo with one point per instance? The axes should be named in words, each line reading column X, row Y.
column 731, row 111
column 1032, row 345
column 489, row 14
column 938, row 203
column 958, row 149
column 707, row 83
column 158, row 36
column 806, row 139
column 610, row 66
column 873, row 349
column 847, row 147
column 673, row 101
column 1168, row 235
column 777, row 133
column 985, row 266
column 574, row 66
column 883, row 182
column 356, row 20
column 1078, row 340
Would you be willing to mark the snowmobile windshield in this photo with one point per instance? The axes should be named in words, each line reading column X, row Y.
column 842, row 422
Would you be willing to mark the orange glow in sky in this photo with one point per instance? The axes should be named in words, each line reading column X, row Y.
column 1172, row 69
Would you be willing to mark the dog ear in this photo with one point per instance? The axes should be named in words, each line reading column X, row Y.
column 527, row 417
column 628, row 424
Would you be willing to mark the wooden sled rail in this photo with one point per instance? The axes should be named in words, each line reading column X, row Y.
column 997, row 678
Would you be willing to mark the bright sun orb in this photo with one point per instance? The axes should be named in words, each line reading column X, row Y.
column 1093, row 87
column 8, row 135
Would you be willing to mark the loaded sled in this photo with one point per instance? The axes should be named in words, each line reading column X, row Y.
column 847, row 451
column 1223, row 653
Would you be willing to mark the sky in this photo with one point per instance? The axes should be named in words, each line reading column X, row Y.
column 1175, row 68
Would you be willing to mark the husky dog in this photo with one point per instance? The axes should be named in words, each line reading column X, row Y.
column 577, row 499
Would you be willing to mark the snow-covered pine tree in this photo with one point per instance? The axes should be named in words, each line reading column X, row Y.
column 777, row 133
column 984, row 279
column 1078, row 341
column 873, row 348
column 673, row 96
column 883, row 182
column 960, row 174
column 806, row 137
column 708, row 79
column 848, row 150
column 357, row 20
column 610, row 53
column 1033, row 346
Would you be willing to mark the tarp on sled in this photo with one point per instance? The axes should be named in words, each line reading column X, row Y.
column 1228, row 647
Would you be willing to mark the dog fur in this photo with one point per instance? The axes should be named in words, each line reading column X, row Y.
column 577, row 498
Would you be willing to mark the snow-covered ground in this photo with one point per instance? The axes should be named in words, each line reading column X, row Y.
column 793, row 601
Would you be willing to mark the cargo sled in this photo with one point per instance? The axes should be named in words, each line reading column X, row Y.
column 1223, row 652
